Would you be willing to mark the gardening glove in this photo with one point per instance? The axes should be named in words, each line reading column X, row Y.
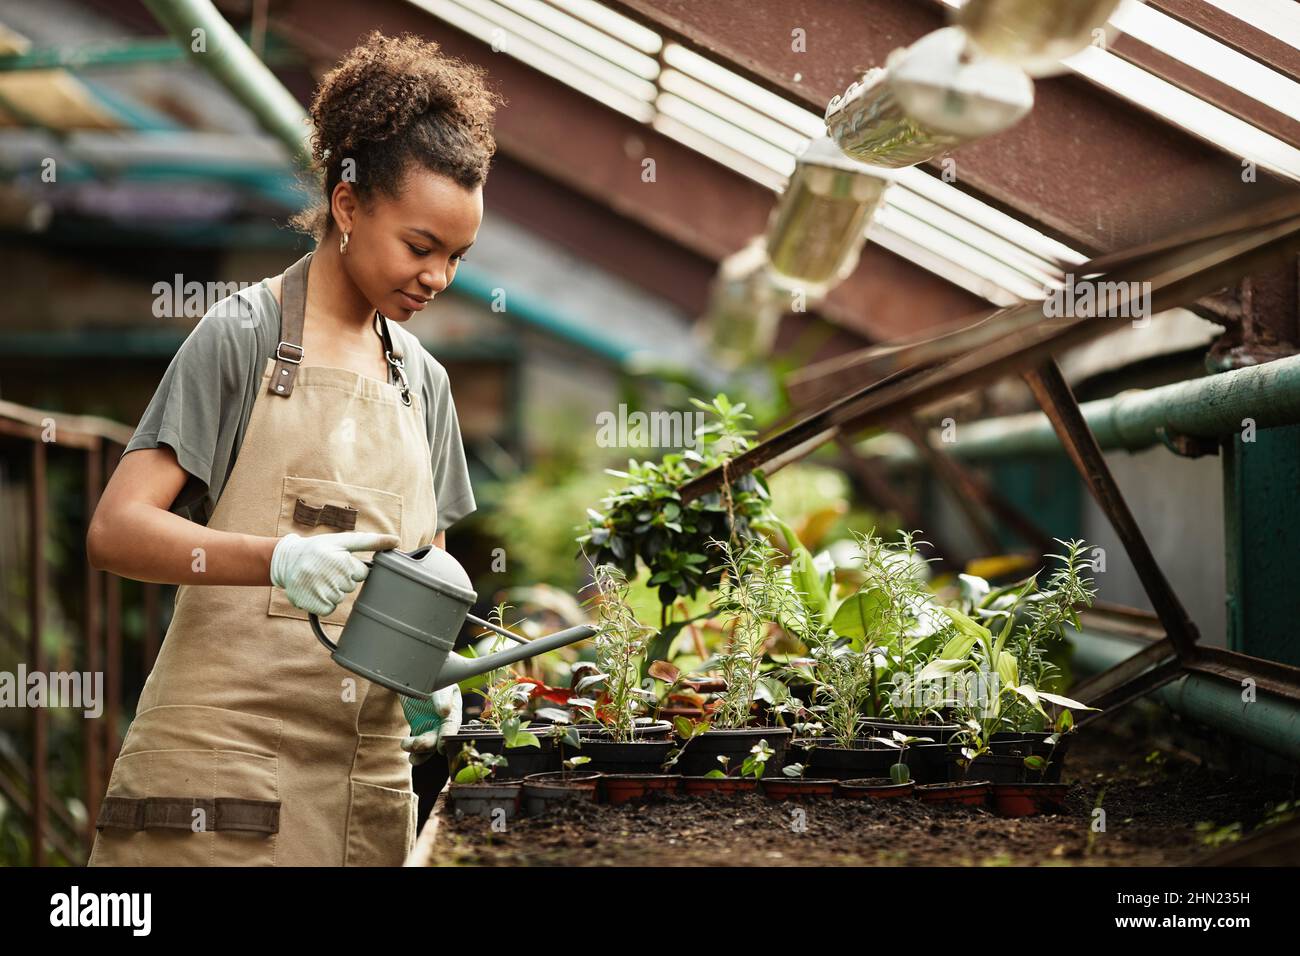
column 431, row 721
column 317, row 571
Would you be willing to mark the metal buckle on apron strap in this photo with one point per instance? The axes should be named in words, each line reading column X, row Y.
column 286, row 358
column 399, row 366
column 177, row 813
column 395, row 361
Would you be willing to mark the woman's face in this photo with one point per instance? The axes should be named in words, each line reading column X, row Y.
column 404, row 251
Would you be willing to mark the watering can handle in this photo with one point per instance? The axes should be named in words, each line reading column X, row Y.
column 320, row 631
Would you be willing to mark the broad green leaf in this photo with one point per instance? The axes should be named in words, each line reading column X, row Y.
column 1008, row 669
column 967, row 625
column 941, row 668
column 860, row 614
column 473, row 774
column 1060, row 701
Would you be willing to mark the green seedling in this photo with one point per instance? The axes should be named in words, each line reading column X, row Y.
column 477, row 767
column 899, row 772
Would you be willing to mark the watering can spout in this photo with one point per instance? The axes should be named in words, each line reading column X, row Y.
column 456, row 668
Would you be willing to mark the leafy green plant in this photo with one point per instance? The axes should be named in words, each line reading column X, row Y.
column 1064, row 725
column 754, row 765
column 859, row 646
column 1037, row 617
column 752, row 595
column 646, row 518
column 476, row 767
column 620, row 646
column 899, row 772
column 688, row 730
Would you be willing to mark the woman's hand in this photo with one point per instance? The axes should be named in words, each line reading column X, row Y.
column 443, row 712
column 317, row 571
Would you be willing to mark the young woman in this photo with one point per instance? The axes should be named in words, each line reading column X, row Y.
column 299, row 429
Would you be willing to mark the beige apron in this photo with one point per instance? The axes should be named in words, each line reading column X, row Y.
column 250, row 746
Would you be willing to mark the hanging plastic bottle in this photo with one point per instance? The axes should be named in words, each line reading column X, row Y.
column 745, row 308
column 1035, row 34
column 928, row 99
column 818, row 226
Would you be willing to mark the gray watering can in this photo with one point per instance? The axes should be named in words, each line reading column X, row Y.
column 405, row 620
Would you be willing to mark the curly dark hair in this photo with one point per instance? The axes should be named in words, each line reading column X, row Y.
column 390, row 102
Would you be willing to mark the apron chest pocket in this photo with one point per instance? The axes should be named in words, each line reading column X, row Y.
column 311, row 506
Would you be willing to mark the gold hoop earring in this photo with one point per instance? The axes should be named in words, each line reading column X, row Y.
column 343, row 243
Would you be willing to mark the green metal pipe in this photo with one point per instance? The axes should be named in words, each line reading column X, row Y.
column 1208, row 407
column 1270, row 722
column 201, row 29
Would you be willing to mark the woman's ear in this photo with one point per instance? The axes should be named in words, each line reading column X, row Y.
column 343, row 205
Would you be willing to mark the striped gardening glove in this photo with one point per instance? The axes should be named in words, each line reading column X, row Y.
column 431, row 721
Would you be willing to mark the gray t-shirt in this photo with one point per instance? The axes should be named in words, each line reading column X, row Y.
column 202, row 406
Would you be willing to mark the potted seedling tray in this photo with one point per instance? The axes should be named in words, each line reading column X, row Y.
column 659, row 730
column 797, row 788
column 972, row 794
column 928, row 763
column 521, row 761
column 623, row 757
column 619, row 788
column 883, row 726
column 483, row 799
column 544, row 790
column 825, row 757
column 718, row 786
column 1034, row 743
column 701, row 752
column 1028, row 799
column 993, row 767
column 873, row 788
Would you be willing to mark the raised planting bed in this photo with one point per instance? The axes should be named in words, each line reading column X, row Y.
column 1152, row 810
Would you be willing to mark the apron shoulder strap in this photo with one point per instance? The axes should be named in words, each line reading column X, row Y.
column 396, row 366
column 293, row 304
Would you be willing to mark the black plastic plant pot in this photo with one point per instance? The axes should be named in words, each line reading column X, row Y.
column 485, row 799
column 995, row 768
column 825, row 757
column 545, row 790
column 520, row 761
column 797, row 788
column 883, row 727
column 701, row 753
column 1028, row 799
column 928, row 763
column 634, row 756
column 659, row 730
column 974, row 794
column 619, row 788
column 718, row 786
column 873, row 788
column 1038, row 747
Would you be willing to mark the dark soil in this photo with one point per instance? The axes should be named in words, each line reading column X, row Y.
column 1151, row 809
